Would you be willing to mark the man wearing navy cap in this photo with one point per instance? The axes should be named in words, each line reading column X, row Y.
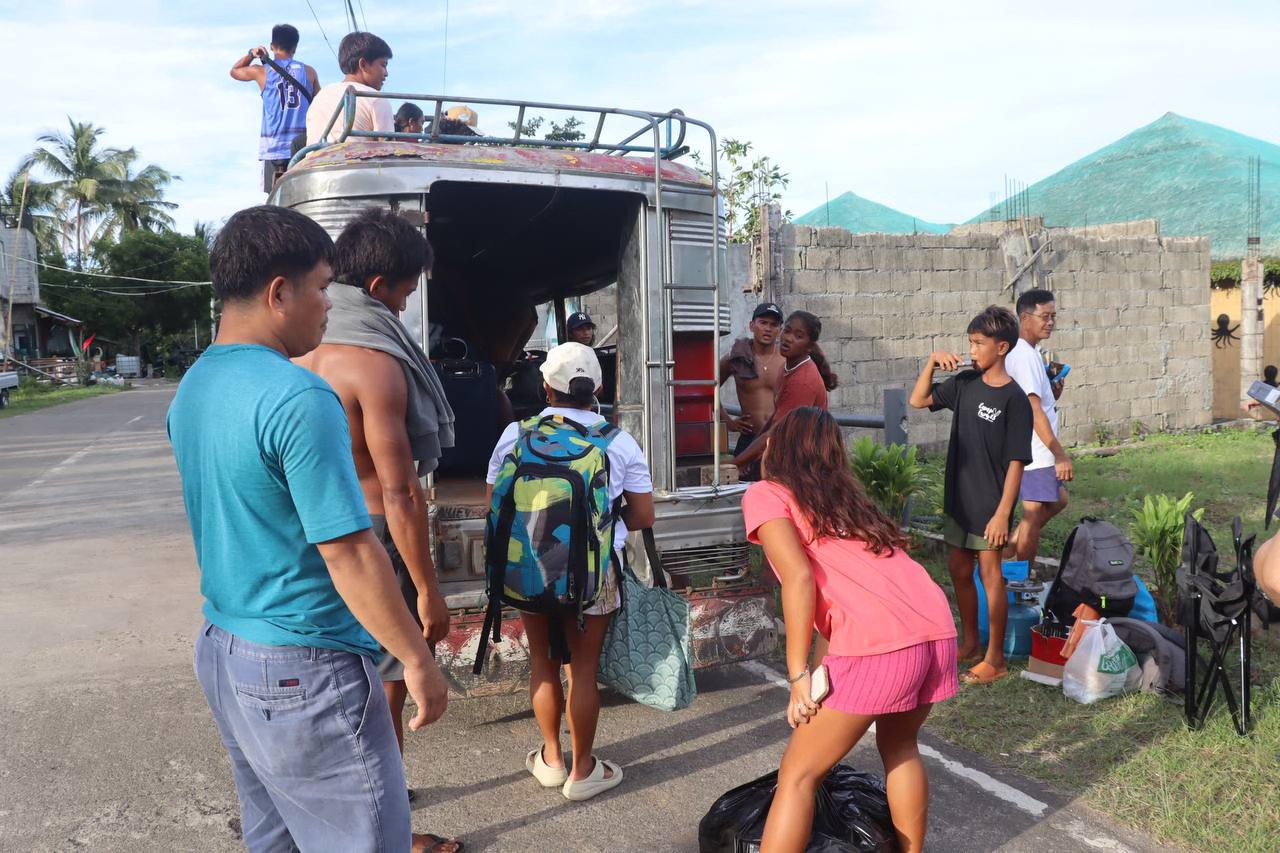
column 581, row 328
column 755, row 365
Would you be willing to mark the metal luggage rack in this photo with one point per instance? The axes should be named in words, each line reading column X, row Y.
column 669, row 129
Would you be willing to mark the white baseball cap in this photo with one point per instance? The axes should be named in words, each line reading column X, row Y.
column 569, row 361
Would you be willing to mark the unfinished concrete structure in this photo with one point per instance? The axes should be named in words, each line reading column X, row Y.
column 1131, row 307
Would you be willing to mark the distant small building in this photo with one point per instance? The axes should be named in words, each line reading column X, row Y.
column 38, row 332
column 20, row 284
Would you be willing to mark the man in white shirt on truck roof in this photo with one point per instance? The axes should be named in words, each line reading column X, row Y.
column 363, row 58
column 1043, row 492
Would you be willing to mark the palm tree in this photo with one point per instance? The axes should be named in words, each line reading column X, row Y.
column 79, row 169
column 135, row 201
column 40, row 203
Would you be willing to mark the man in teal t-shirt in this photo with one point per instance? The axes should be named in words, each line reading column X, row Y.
column 298, row 592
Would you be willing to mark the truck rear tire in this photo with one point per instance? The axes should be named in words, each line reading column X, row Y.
column 4, row 398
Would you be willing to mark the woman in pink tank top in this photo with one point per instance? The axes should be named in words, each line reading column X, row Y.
column 887, row 637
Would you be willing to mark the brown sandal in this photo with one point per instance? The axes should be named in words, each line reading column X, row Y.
column 983, row 673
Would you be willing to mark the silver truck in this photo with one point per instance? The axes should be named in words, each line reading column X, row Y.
column 8, row 382
column 518, row 223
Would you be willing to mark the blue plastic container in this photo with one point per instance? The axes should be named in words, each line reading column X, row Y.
column 1023, row 615
column 1013, row 570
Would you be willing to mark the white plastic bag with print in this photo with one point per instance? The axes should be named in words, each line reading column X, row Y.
column 1101, row 666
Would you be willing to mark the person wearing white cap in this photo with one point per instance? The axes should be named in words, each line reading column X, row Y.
column 571, row 377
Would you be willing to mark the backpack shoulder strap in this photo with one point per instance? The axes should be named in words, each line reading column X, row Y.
column 279, row 69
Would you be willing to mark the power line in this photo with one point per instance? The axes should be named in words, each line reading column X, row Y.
column 101, row 275
column 322, row 33
column 444, row 73
column 364, row 20
column 122, row 293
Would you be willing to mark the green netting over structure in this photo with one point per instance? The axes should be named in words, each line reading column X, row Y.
column 1191, row 176
column 863, row 216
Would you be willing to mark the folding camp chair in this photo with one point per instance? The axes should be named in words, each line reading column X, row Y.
column 1215, row 606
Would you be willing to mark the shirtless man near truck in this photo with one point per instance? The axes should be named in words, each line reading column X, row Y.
column 755, row 365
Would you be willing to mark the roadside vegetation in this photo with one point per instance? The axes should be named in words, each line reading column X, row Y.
column 31, row 396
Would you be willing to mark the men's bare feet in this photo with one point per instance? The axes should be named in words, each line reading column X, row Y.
column 427, row 842
column 969, row 654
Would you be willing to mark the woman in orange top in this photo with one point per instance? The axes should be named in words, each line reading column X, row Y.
column 888, row 638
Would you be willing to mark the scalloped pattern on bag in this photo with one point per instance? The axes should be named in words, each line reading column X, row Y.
column 647, row 655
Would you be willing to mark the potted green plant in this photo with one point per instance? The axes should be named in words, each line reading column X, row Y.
column 1157, row 530
column 892, row 474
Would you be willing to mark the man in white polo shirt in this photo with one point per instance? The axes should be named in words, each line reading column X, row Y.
column 1043, row 491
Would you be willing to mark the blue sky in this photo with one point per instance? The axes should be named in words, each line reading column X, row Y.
column 924, row 106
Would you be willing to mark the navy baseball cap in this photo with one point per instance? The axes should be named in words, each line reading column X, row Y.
column 767, row 309
column 577, row 319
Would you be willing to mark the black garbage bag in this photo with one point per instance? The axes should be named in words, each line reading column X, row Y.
column 851, row 816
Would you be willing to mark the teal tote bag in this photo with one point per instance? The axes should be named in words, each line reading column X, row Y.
column 647, row 651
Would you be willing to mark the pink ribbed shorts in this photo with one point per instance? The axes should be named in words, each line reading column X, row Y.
column 893, row 682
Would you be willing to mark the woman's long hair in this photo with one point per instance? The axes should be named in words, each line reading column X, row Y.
column 806, row 454
column 813, row 326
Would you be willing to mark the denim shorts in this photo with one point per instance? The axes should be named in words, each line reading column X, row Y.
column 312, row 748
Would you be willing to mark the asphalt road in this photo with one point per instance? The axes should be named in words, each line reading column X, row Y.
column 108, row 745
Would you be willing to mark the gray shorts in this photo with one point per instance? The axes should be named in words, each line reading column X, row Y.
column 389, row 667
column 271, row 171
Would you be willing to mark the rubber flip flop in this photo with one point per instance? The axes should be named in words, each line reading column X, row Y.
column 547, row 776
column 983, row 673
column 437, row 842
column 596, row 783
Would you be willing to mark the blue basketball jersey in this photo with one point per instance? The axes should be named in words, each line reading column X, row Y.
column 284, row 111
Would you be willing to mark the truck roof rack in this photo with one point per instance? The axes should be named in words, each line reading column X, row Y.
column 667, row 130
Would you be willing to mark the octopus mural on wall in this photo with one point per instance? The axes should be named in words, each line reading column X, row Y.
column 1224, row 333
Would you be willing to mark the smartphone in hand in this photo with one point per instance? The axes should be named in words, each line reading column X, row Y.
column 819, row 684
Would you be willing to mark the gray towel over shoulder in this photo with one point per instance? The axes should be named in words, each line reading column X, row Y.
column 359, row 320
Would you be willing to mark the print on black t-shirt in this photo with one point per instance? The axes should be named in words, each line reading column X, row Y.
column 991, row 427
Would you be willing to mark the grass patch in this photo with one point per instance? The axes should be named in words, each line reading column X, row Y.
column 1226, row 470
column 1132, row 756
column 31, row 397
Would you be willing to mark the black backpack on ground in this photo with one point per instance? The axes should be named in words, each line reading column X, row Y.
column 1096, row 569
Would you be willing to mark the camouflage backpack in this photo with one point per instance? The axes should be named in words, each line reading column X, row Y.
column 549, row 532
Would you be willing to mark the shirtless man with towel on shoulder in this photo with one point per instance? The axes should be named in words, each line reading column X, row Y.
column 399, row 418
column 755, row 365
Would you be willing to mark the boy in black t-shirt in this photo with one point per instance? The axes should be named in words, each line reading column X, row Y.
column 990, row 443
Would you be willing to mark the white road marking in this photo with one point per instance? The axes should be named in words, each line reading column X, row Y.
column 72, row 459
column 768, row 673
column 988, row 783
column 985, row 781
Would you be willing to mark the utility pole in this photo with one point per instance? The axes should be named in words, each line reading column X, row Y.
column 1251, row 274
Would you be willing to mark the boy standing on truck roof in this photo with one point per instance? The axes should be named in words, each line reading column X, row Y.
column 363, row 58
column 755, row 365
column 284, row 105
column 398, row 415
column 299, row 595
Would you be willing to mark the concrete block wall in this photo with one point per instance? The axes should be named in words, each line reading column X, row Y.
column 17, row 244
column 1131, row 315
